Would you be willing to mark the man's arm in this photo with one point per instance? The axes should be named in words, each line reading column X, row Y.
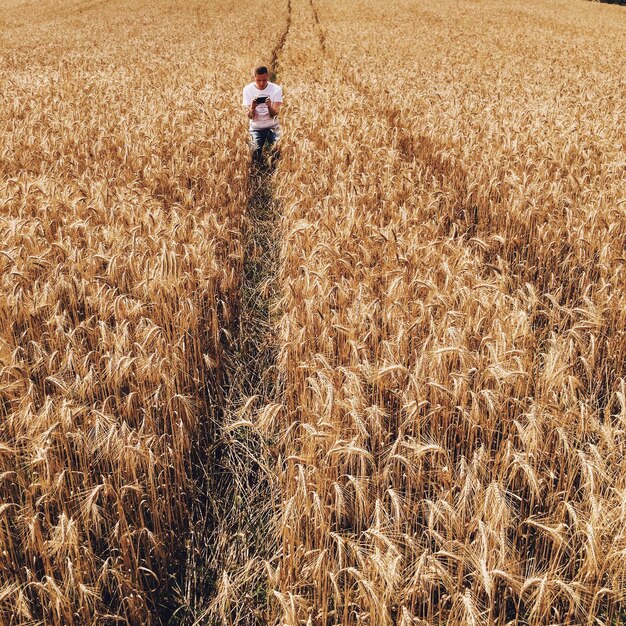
column 274, row 108
column 275, row 103
column 249, row 105
column 251, row 110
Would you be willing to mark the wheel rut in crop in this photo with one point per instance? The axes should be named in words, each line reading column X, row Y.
column 468, row 211
column 234, row 504
column 445, row 170
column 276, row 53
column 318, row 26
column 421, row 148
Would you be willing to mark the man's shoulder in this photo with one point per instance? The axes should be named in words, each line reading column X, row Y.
column 275, row 88
column 249, row 87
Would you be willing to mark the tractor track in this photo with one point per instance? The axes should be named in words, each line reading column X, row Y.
column 420, row 149
column 321, row 35
column 467, row 211
column 235, row 498
column 278, row 49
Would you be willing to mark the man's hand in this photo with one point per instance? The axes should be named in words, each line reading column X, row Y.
column 272, row 108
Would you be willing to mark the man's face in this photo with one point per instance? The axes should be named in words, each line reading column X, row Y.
column 260, row 80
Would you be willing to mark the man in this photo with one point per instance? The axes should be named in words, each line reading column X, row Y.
column 262, row 100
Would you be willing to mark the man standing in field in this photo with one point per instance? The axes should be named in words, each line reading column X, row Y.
column 262, row 100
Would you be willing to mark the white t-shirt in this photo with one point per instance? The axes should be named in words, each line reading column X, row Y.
column 262, row 118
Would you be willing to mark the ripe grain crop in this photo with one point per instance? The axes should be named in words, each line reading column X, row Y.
column 452, row 338
column 124, row 185
column 441, row 438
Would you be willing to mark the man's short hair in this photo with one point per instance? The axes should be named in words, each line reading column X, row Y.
column 261, row 69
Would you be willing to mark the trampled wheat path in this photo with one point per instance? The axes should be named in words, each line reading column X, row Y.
column 239, row 494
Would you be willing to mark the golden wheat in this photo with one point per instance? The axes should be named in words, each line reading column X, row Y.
column 453, row 311
column 441, row 438
column 124, row 181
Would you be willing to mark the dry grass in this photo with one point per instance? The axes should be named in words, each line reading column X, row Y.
column 447, row 430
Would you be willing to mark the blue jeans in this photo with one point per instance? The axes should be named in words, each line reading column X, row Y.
column 261, row 137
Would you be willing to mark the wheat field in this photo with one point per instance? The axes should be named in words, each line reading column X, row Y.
column 383, row 384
